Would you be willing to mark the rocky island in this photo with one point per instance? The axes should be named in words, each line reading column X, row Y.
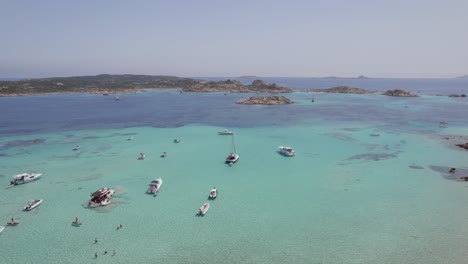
column 233, row 86
column 265, row 100
column 128, row 83
column 398, row 93
column 341, row 89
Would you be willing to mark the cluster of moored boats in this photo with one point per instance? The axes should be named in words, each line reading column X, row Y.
column 102, row 197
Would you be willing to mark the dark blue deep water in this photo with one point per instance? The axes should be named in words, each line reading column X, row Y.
column 61, row 112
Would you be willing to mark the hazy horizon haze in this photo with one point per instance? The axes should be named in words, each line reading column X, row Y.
column 398, row 39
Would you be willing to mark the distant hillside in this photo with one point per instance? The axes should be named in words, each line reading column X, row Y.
column 106, row 83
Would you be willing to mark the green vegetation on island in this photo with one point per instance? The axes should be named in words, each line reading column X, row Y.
column 128, row 83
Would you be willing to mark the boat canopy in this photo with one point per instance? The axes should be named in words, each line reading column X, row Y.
column 101, row 192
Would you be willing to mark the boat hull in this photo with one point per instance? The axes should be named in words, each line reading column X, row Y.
column 231, row 159
column 30, row 207
column 28, row 178
column 204, row 209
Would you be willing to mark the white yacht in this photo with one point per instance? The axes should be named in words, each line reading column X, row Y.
column 154, row 186
column 25, row 178
column 101, row 197
column 225, row 132
column 32, row 204
column 203, row 209
column 213, row 194
column 286, row 151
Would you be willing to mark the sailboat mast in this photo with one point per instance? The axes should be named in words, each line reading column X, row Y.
column 233, row 145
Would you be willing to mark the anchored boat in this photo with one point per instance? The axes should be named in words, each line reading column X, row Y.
column 101, row 197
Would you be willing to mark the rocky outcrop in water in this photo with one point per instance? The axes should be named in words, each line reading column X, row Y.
column 465, row 146
column 232, row 86
column 399, row 93
column 342, row 89
column 266, row 100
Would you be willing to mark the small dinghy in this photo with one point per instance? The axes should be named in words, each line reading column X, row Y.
column 77, row 147
column 32, row 204
column 203, row 209
column 12, row 222
column 142, row 156
column 164, row 154
column 76, row 222
column 213, row 194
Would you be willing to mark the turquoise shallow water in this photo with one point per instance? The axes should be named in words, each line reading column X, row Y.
column 346, row 197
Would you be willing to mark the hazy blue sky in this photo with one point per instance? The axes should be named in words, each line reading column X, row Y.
column 393, row 38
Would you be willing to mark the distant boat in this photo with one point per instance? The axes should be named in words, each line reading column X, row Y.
column 176, row 140
column 2, row 228
column 77, row 147
column 154, row 186
column 32, row 204
column 233, row 157
column 164, row 154
column 225, row 132
column 286, row 151
column 101, row 197
column 116, row 98
column 213, row 194
column 374, row 134
column 130, row 138
column 142, row 156
column 443, row 123
column 76, row 222
column 24, row 178
column 13, row 222
column 203, row 209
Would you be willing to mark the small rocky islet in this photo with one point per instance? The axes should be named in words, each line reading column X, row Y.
column 265, row 100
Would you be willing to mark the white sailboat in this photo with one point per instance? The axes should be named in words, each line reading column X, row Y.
column 233, row 157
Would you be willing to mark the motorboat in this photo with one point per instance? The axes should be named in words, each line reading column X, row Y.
column 12, row 222
column 130, row 138
column 77, row 147
column 2, row 228
column 203, row 209
column 225, row 132
column 32, row 204
column 213, row 194
column 101, row 197
column 116, row 98
column 142, row 156
column 286, row 151
column 164, row 154
column 176, row 140
column 154, row 186
column 24, row 178
column 374, row 134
